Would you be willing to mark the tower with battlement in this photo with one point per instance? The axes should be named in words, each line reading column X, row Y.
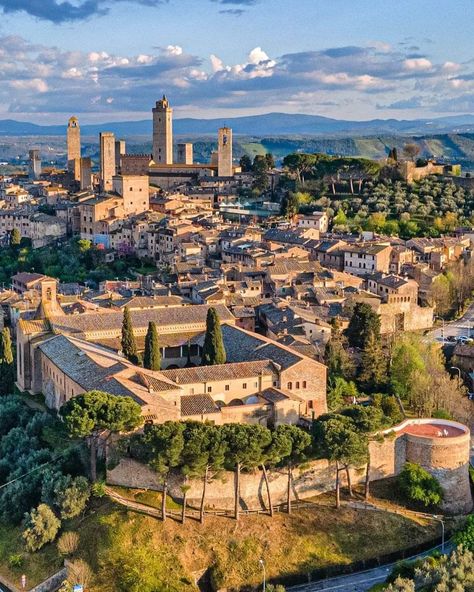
column 163, row 132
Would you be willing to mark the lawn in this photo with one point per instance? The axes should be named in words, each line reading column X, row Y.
column 131, row 552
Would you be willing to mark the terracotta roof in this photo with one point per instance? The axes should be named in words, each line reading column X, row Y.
column 219, row 372
column 163, row 317
column 198, row 405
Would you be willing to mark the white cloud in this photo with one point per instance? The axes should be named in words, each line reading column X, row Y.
column 35, row 84
column 417, row 64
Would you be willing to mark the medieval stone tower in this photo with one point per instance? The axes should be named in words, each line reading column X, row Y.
column 163, row 132
column 224, row 151
column 107, row 160
column 74, row 148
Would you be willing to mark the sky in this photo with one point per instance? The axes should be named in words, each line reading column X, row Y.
column 110, row 60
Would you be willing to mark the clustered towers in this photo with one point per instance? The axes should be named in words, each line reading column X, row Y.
column 163, row 142
column 112, row 150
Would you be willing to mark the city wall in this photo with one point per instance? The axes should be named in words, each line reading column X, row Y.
column 446, row 458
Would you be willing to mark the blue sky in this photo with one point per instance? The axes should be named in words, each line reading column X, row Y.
column 351, row 59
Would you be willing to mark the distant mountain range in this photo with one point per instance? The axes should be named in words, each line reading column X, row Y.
column 271, row 124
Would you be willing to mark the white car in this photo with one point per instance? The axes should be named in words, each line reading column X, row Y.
column 464, row 339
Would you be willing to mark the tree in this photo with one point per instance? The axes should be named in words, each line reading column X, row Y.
column 340, row 219
column 336, row 357
column 164, row 444
column 7, row 365
column 419, row 486
column 401, row 585
column 290, row 205
column 71, row 499
column 336, row 438
column 465, row 536
column 245, row 163
column 152, row 356
column 216, row 447
column 245, row 450
column 260, row 171
column 15, row 238
column 300, row 446
column 41, row 527
column 89, row 414
column 411, row 150
column 128, row 343
column 373, row 366
column 364, row 322
column 278, row 449
column 301, row 164
column 270, row 160
column 339, row 389
column 195, row 454
column 213, row 352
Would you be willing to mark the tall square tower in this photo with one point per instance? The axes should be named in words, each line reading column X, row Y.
column 224, row 152
column 185, row 153
column 163, row 132
column 107, row 160
column 34, row 165
column 74, row 147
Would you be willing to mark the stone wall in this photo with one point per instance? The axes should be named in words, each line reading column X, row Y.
column 446, row 458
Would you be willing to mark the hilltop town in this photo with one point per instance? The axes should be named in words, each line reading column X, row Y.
column 303, row 322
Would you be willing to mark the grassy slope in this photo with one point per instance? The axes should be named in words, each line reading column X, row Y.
column 141, row 551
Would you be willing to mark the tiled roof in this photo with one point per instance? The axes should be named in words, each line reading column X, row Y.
column 242, row 346
column 72, row 359
column 198, row 405
column 163, row 317
column 245, row 369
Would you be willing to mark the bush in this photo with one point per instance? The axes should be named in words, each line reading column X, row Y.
column 15, row 561
column 68, row 543
column 79, row 572
column 419, row 486
column 465, row 536
column 41, row 527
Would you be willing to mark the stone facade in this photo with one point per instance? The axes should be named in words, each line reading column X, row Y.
column 107, row 160
column 224, row 152
column 163, row 132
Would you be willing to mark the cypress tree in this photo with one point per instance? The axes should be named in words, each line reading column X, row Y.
column 152, row 357
column 213, row 351
column 7, row 367
column 129, row 345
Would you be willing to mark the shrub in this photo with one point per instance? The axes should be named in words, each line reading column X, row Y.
column 15, row 560
column 465, row 536
column 41, row 527
column 68, row 543
column 419, row 486
column 79, row 572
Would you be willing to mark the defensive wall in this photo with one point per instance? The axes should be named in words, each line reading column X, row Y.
column 442, row 447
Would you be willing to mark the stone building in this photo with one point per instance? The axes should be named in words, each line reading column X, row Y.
column 224, row 153
column 74, row 147
column 107, row 160
column 34, row 165
column 185, row 153
column 262, row 381
column 162, row 132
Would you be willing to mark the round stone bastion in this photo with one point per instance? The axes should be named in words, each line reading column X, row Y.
column 442, row 447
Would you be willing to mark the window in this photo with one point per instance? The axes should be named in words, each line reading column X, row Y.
column 244, row 385
column 297, row 385
column 209, row 389
column 227, row 387
column 289, row 386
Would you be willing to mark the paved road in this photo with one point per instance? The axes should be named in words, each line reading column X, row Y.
column 462, row 326
column 360, row 581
